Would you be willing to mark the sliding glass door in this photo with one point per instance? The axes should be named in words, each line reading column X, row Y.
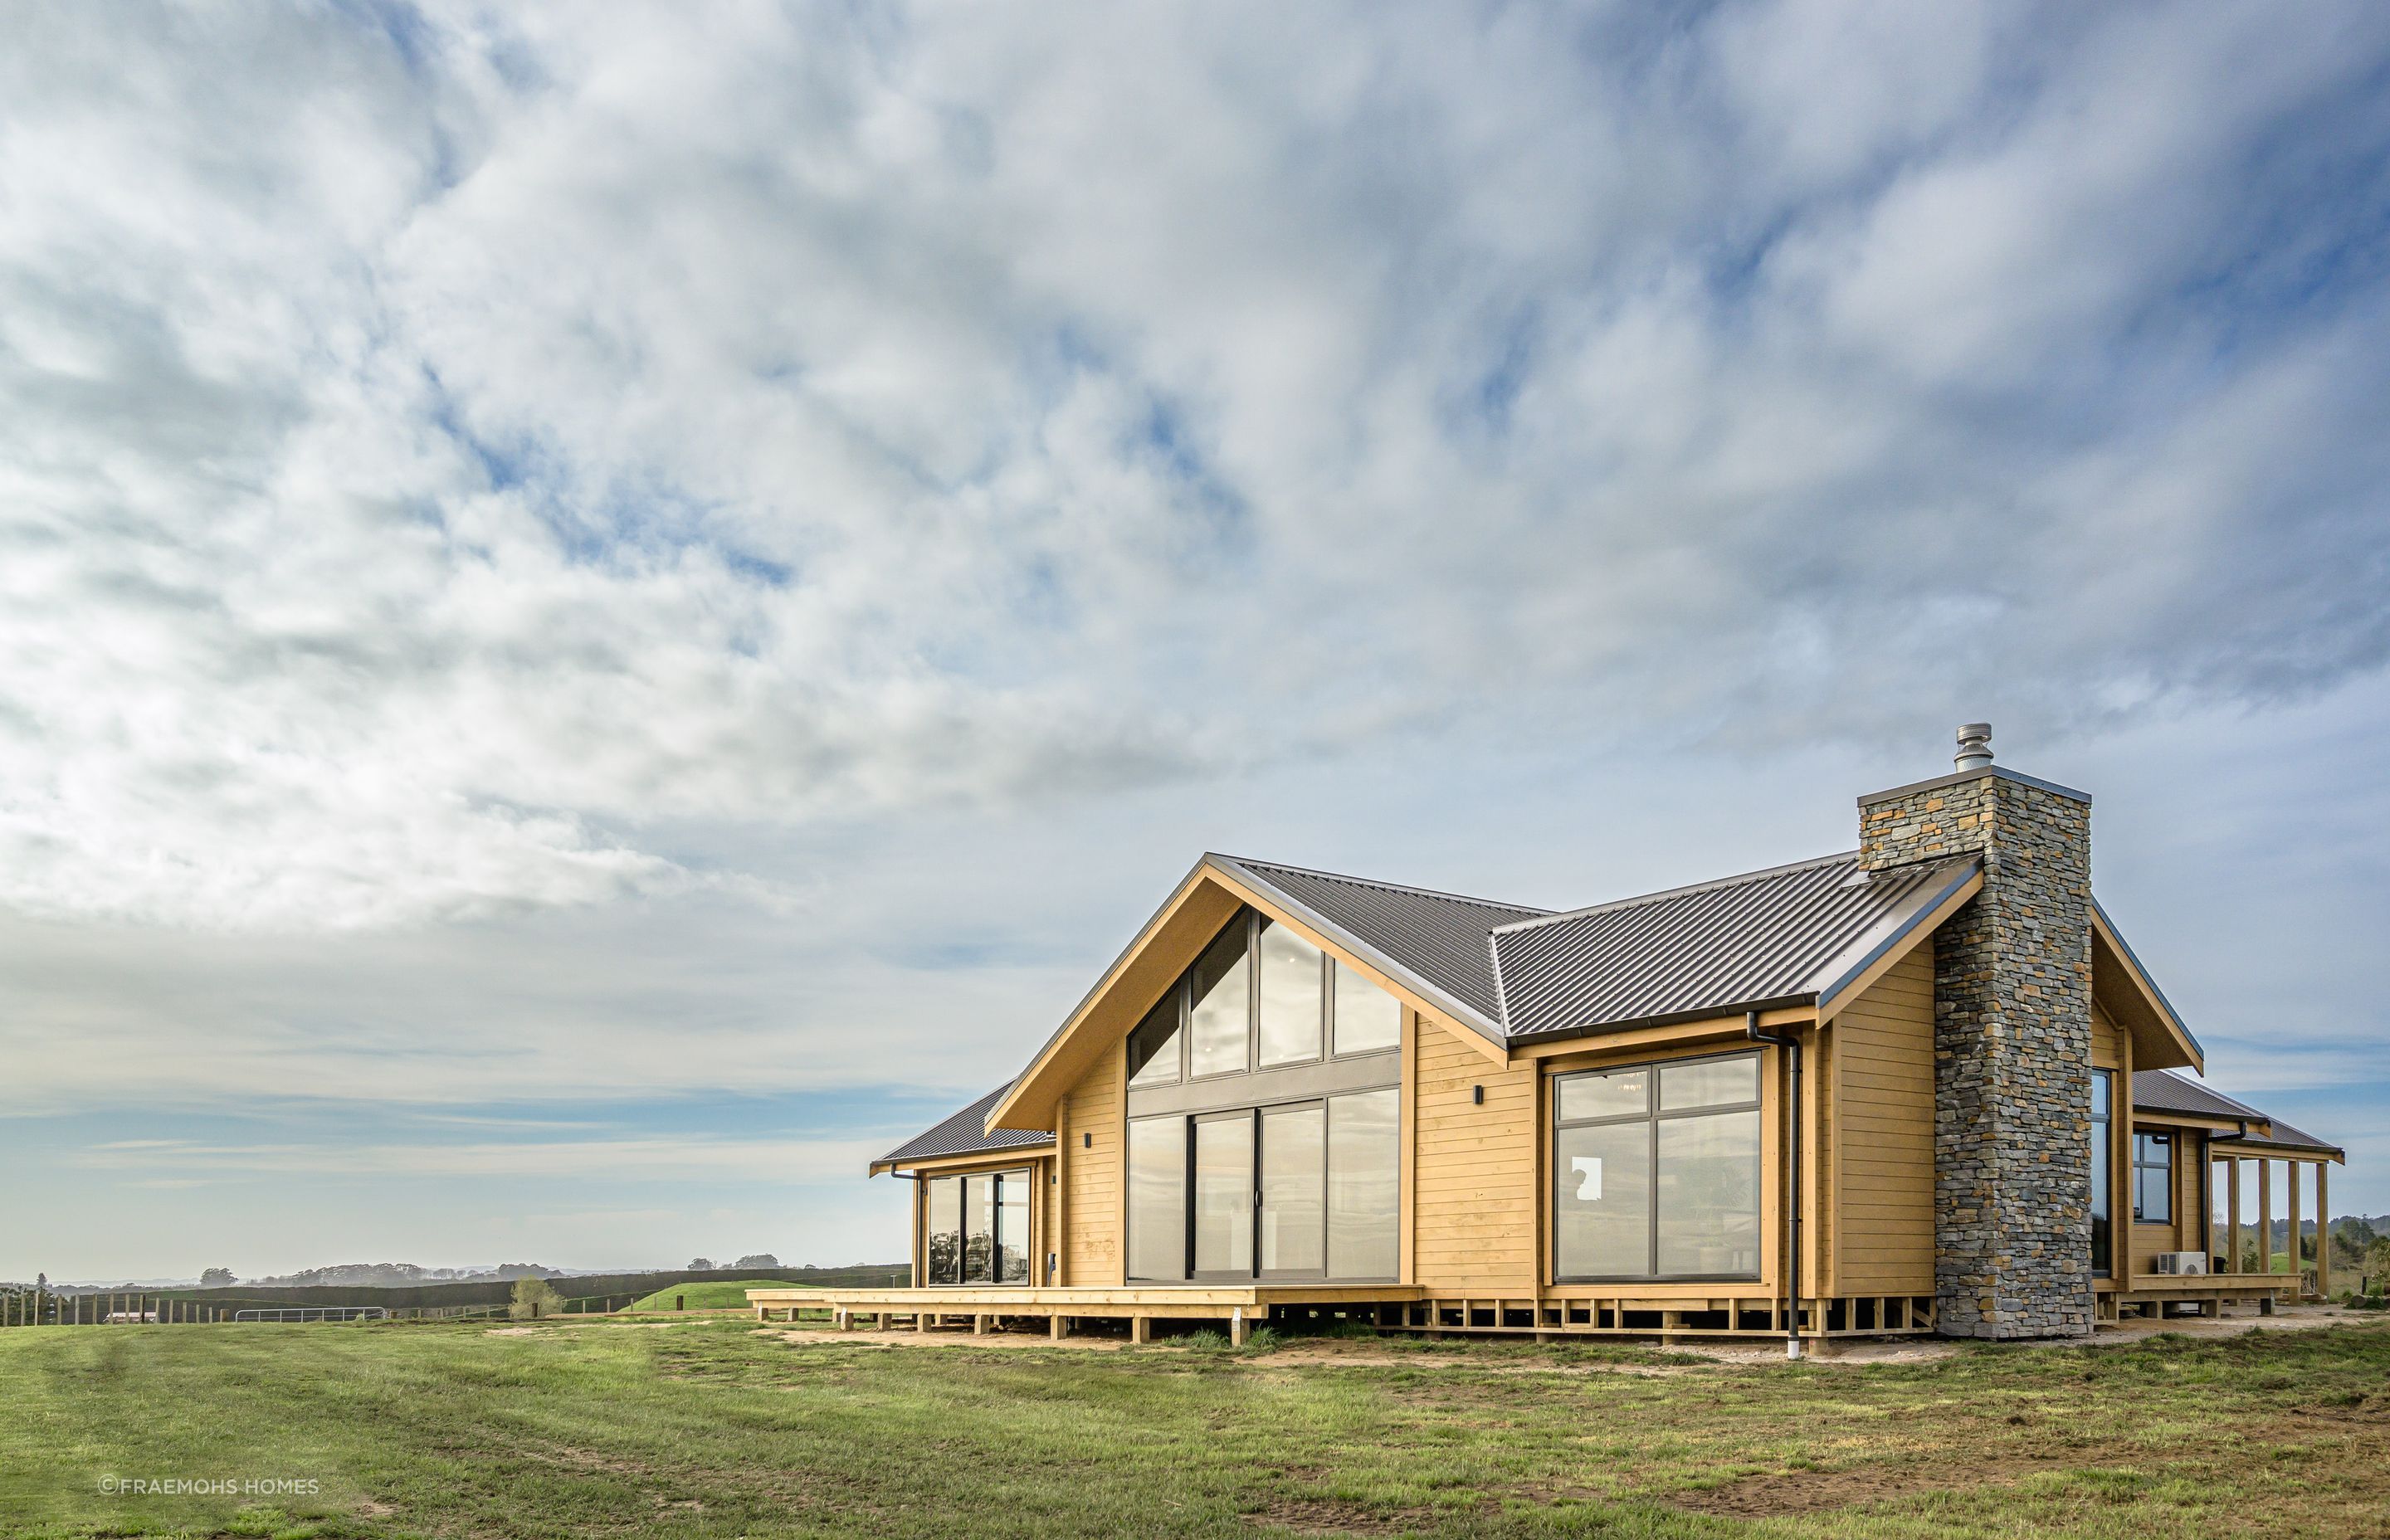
column 1295, row 1192
column 1224, row 1195
column 1307, row 1190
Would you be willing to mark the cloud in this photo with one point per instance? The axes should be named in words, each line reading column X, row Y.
column 438, row 451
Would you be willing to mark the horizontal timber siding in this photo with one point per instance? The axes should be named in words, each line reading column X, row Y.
column 1881, row 1120
column 1091, row 1202
column 1475, row 1185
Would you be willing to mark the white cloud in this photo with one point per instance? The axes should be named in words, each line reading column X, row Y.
column 436, row 448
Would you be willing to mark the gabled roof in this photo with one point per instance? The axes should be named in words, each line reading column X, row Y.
column 963, row 1134
column 1785, row 935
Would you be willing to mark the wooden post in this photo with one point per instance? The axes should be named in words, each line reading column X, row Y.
column 2291, row 1202
column 1058, row 1327
column 979, row 1326
column 1236, row 1326
column 2232, row 1212
column 1140, row 1329
column 2266, row 1216
column 2323, row 1230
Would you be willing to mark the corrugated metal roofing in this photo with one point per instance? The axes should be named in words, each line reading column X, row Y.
column 1442, row 937
column 2164, row 1091
column 966, row 1133
column 2287, row 1137
column 1782, row 934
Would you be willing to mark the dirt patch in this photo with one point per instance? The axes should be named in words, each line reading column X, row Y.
column 1328, row 1516
column 1772, row 1494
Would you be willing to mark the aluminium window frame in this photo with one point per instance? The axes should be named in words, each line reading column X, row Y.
column 1180, row 996
column 2171, row 1140
column 1652, row 1116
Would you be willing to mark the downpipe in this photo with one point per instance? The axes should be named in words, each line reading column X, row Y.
column 1792, row 1046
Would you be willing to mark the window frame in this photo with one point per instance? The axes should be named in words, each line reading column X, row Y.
column 1181, row 998
column 1651, row 1117
column 2168, row 1141
column 2104, row 1162
column 997, row 1178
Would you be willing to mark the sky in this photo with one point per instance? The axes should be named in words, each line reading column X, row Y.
column 606, row 611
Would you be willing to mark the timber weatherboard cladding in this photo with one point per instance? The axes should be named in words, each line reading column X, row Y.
column 1880, row 1133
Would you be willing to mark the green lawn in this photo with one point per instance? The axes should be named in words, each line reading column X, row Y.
column 712, row 1428
column 710, row 1295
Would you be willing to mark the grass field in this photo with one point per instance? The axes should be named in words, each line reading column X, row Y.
column 714, row 1428
column 709, row 1295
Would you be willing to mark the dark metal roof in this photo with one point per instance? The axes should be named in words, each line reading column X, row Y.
column 1441, row 937
column 964, row 1133
column 2164, row 1091
column 2286, row 1137
column 1787, row 933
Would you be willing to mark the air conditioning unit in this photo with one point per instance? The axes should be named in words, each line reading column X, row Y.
column 2180, row 1263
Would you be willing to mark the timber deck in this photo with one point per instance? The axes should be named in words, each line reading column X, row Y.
column 1383, row 1308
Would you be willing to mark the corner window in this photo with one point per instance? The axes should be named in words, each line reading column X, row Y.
column 1656, row 1170
column 2154, row 1178
column 978, row 1228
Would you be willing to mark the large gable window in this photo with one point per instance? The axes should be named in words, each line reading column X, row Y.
column 1260, row 998
column 1656, row 1170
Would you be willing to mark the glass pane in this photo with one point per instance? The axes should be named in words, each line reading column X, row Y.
column 1153, row 1046
column 1625, row 1094
column 2102, row 1159
column 1364, row 1185
column 1604, row 1209
column 945, row 1245
column 1012, row 1227
column 1157, row 1197
column 1292, row 1005
column 1294, row 1189
column 1709, row 1193
column 1220, row 1020
column 1710, row 1082
column 979, row 1230
column 1224, row 1195
column 1367, row 1019
column 2099, row 1093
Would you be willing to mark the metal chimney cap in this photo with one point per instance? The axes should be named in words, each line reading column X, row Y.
column 1974, row 746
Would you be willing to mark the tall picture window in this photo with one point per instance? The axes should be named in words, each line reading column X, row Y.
column 2104, row 1161
column 1656, row 1170
column 2154, row 1178
column 977, row 1228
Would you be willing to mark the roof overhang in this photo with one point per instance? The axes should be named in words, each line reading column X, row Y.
column 989, row 1158
column 2125, row 987
column 1891, row 938
column 1203, row 903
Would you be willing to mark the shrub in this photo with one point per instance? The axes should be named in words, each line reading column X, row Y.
column 533, row 1298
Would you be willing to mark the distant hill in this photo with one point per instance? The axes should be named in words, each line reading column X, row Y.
column 400, row 1275
column 490, row 1290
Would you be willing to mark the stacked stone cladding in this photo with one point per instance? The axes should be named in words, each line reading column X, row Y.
column 2012, row 1047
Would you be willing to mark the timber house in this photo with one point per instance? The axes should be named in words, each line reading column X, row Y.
column 1919, row 1087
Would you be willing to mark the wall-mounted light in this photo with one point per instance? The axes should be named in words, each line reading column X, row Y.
column 1477, row 1095
column 1089, row 1142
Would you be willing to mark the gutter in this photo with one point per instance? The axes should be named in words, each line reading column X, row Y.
column 1792, row 1181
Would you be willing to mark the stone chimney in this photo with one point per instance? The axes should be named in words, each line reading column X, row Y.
column 2012, row 1040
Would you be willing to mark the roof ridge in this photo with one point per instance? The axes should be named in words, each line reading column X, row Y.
column 1248, row 861
column 1712, row 885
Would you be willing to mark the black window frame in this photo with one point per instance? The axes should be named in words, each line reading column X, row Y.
column 1652, row 1116
column 996, row 1176
column 2143, row 1142
column 2103, row 1158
